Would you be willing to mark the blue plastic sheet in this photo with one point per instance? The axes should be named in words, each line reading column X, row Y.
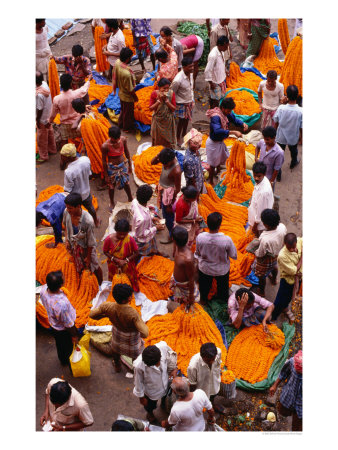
column 252, row 278
column 180, row 159
column 142, row 127
column 100, row 79
column 112, row 102
column 254, row 70
column 276, row 47
column 148, row 81
column 221, row 329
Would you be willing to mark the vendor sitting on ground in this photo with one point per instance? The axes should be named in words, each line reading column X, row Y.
column 183, row 280
column 52, row 211
column 115, row 170
column 247, row 308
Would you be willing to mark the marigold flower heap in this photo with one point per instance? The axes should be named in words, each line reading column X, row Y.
column 267, row 59
column 283, row 34
column 292, row 72
column 53, row 78
column 101, row 61
column 154, row 276
column 252, row 352
column 128, row 36
column 237, row 79
column 94, row 134
column 185, row 332
column 142, row 112
column 99, row 92
column 246, row 105
column 227, row 377
column 143, row 168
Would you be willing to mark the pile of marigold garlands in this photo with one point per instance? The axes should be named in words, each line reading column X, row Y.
column 143, row 168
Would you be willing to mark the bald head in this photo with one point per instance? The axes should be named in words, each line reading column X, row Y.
column 39, row 78
column 180, row 386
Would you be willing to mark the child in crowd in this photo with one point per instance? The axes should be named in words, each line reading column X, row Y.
column 270, row 153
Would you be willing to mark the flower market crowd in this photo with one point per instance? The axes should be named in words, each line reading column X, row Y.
column 187, row 169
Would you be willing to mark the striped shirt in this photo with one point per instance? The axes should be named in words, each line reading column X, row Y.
column 213, row 251
column 61, row 314
column 292, row 395
column 142, row 224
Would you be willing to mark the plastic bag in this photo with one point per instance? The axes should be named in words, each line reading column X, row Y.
column 80, row 358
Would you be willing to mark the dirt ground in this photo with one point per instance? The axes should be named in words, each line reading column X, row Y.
column 110, row 394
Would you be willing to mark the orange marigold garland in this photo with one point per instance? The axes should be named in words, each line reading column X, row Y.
column 227, row 376
column 292, row 72
column 283, row 34
column 237, row 79
column 53, row 78
column 154, row 276
column 185, row 333
column 142, row 112
column 245, row 103
column 101, row 60
column 99, row 92
column 129, row 40
column 94, row 134
column 252, row 352
column 267, row 59
column 143, row 169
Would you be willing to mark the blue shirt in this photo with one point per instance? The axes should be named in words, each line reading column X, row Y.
column 292, row 394
column 192, row 167
column 290, row 120
column 53, row 209
column 217, row 133
column 273, row 159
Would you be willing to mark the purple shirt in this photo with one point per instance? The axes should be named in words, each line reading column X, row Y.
column 213, row 251
column 273, row 159
column 259, row 302
column 60, row 311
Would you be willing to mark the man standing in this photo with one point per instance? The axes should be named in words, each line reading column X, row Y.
column 183, row 280
column 128, row 327
column 182, row 85
column 76, row 178
column 169, row 186
column 42, row 49
column 65, row 407
column 167, row 34
column 215, row 71
column 142, row 31
column 213, row 250
column 115, row 44
column 192, row 166
column 262, row 198
column 218, row 30
column 78, row 66
column 61, row 315
column 62, row 104
column 152, row 370
column 44, row 131
column 270, row 153
column 124, row 79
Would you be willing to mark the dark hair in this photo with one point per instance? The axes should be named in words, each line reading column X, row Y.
column 122, row 225
column 122, row 425
column 222, row 40
column 73, row 199
column 77, row 50
column 269, row 132
column 272, row 74
column 186, row 61
column 270, row 217
column 163, row 82
column 144, row 193
column 121, row 292
column 259, row 167
column 208, row 350
column 189, row 191
column 38, row 218
column 180, row 236
column 79, row 105
column 39, row 20
column 299, row 100
column 241, row 291
column 66, row 81
column 151, row 355
column 112, row 23
column 60, row 392
column 38, row 77
column 214, row 221
column 161, row 54
column 114, row 132
column 166, row 30
column 227, row 103
column 290, row 239
column 125, row 54
column 54, row 280
column 166, row 155
column 292, row 92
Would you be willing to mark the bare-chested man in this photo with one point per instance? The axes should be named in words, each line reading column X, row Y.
column 183, row 281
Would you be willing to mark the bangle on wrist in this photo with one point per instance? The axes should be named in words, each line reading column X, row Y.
column 64, row 428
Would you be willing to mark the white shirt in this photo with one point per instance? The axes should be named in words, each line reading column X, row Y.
column 215, row 70
column 188, row 416
column 41, row 43
column 45, row 104
column 290, row 120
column 142, row 223
column 115, row 44
column 152, row 381
column 271, row 241
column 199, row 374
column 262, row 198
column 98, row 23
column 183, row 87
column 271, row 99
column 76, row 178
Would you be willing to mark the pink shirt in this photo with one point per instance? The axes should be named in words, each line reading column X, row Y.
column 142, row 223
column 190, row 41
column 62, row 104
column 259, row 302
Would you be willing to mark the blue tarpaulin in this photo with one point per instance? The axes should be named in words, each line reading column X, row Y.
column 275, row 36
column 254, row 70
column 99, row 79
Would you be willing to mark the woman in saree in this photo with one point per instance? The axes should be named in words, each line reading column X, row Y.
column 163, row 105
column 122, row 251
column 260, row 30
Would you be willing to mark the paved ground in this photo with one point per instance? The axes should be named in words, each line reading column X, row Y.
column 107, row 393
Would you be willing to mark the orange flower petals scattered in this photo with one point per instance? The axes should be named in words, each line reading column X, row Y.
column 237, row 79
column 101, row 60
column 292, row 72
column 142, row 112
column 246, row 105
column 267, row 59
column 53, row 79
column 283, row 34
column 143, row 168
column 252, row 352
column 154, row 274
column 227, row 376
column 185, row 333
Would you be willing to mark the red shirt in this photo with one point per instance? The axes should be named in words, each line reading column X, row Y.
column 154, row 95
column 182, row 209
